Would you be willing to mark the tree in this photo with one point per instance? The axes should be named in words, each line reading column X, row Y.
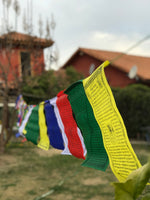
column 46, row 86
column 13, row 75
column 133, row 104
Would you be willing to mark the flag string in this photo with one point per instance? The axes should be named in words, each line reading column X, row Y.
column 96, row 80
column 130, row 48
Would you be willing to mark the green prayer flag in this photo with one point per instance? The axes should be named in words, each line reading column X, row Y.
column 32, row 128
column 96, row 154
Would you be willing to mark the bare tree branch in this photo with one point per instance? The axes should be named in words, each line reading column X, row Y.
column 16, row 7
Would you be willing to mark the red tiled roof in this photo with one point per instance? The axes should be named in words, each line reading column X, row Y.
column 21, row 38
column 124, row 63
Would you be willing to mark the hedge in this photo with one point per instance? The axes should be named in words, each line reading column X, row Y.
column 133, row 103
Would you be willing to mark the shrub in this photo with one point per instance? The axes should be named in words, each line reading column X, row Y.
column 133, row 104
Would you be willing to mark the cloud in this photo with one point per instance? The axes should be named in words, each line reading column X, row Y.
column 120, row 42
column 106, row 41
column 106, row 24
column 100, row 24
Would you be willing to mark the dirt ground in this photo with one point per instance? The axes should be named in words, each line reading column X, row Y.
column 28, row 173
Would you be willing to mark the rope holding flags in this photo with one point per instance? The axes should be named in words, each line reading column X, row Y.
column 84, row 121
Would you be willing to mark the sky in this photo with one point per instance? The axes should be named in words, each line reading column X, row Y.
column 112, row 25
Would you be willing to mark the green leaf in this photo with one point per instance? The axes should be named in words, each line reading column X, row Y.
column 121, row 191
column 139, row 179
column 134, row 184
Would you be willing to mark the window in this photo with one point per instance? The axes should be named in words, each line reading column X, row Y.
column 25, row 64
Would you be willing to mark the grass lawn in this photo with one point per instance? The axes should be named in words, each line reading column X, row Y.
column 27, row 172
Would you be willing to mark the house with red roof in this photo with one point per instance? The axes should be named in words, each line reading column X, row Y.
column 123, row 70
column 21, row 55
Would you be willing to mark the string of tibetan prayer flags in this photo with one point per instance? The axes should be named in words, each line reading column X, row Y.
column 83, row 121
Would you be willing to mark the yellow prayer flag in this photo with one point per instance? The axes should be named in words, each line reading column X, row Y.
column 44, row 140
column 121, row 155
